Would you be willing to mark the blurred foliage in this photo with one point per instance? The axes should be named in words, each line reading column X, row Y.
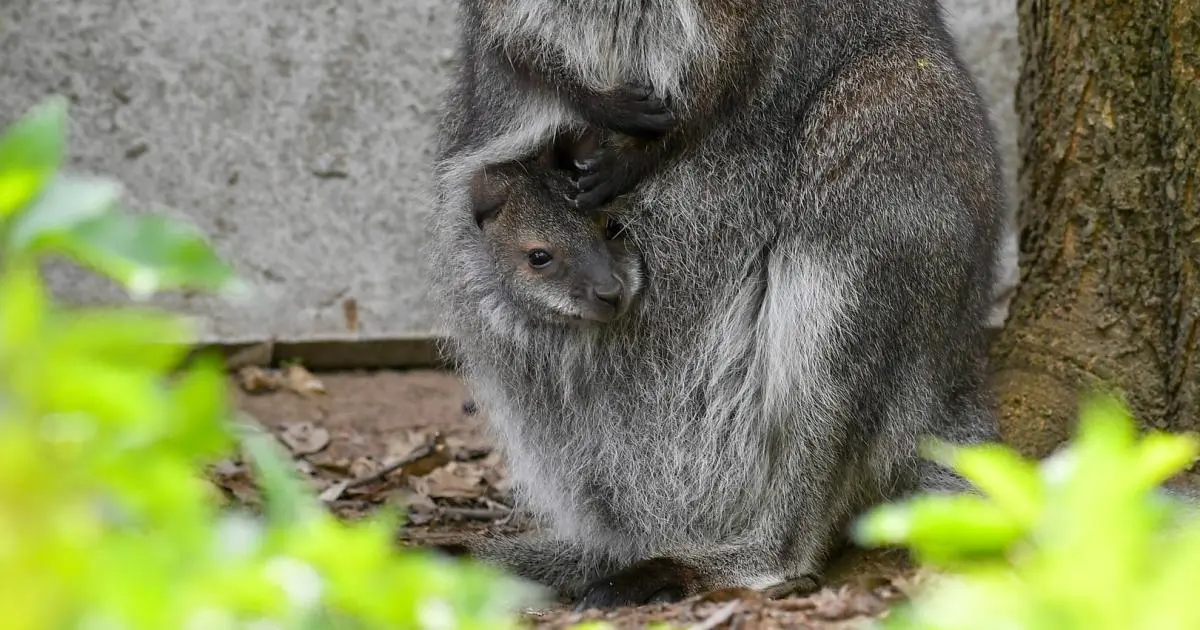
column 1083, row 539
column 106, row 517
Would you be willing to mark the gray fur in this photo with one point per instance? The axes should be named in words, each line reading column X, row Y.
column 819, row 251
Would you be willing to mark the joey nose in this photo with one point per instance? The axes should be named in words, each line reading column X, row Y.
column 609, row 293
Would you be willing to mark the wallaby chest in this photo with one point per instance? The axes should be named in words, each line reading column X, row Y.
column 606, row 42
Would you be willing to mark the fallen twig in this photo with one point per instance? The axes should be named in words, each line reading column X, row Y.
column 430, row 447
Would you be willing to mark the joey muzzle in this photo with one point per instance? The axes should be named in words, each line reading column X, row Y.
column 605, row 299
column 609, row 293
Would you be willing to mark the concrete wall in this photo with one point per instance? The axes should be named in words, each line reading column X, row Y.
column 297, row 133
column 987, row 37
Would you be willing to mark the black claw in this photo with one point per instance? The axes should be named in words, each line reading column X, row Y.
column 584, row 203
column 589, row 164
column 591, row 181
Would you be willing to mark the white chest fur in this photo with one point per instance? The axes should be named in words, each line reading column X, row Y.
column 608, row 42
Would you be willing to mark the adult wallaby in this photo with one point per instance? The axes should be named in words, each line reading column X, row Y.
column 818, row 246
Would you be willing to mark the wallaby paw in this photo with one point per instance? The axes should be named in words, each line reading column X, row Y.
column 599, row 180
column 657, row 580
column 634, row 110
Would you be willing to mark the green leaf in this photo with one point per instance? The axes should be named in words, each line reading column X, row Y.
column 1161, row 455
column 1105, row 424
column 146, row 253
column 23, row 306
column 201, row 403
column 288, row 501
column 124, row 398
column 940, row 525
column 1012, row 482
column 67, row 201
column 30, row 153
column 122, row 338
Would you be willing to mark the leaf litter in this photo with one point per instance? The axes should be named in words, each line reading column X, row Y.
column 403, row 439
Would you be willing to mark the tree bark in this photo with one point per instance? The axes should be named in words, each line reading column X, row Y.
column 1109, row 101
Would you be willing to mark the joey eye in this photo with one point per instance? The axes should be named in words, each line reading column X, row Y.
column 539, row 258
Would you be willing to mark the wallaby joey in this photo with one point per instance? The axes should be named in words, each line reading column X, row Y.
column 818, row 249
column 555, row 263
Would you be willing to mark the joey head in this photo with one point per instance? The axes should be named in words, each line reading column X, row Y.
column 558, row 264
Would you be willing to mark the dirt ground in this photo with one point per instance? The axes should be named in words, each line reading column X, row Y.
column 404, row 438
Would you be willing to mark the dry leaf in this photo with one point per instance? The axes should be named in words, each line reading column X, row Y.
column 452, row 481
column 421, row 509
column 339, row 466
column 845, row 603
column 304, row 438
column 241, row 487
column 334, row 491
column 255, row 380
column 226, row 468
column 462, row 449
column 426, row 457
column 495, row 472
column 404, row 445
column 363, row 467
column 301, row 381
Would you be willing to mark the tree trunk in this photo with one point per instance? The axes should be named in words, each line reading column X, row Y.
column 1109, row 101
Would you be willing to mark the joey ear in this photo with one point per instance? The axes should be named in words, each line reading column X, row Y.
column 486, row 212
column 487, row 197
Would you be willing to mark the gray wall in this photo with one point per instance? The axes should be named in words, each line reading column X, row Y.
column 297, row 133
column 987, row 36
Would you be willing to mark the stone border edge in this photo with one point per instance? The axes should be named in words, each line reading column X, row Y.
column 331, row 355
